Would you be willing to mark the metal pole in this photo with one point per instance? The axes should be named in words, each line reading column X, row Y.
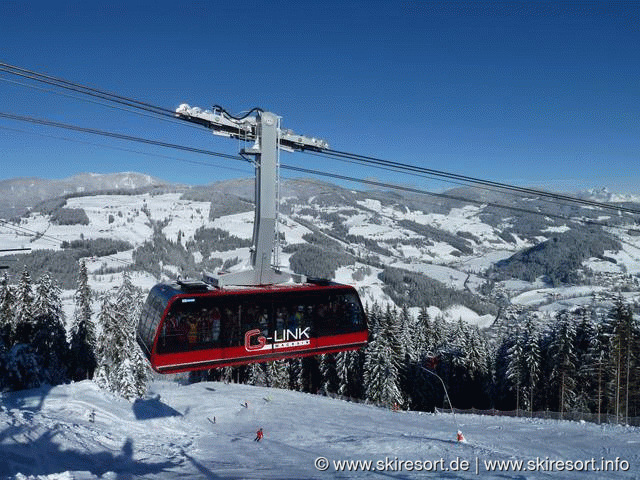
column 265, row 219
column 446, row 394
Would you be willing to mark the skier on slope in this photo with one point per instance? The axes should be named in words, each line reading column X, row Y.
column 259, row 435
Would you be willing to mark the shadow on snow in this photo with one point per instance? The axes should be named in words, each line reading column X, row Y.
column 45, row 457
column 148, row 408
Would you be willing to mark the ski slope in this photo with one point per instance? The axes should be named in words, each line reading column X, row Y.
column 49, row 434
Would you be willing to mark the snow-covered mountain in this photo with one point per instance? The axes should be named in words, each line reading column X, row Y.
column 19, row 194
column 459, row 253
column 201, row 431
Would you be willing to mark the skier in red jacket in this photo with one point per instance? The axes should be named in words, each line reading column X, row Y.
column 259, row 436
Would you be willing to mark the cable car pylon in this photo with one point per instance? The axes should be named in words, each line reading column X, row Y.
column 258, row 314
column 264, row 130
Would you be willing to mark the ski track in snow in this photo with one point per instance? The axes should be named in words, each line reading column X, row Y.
column 48, row 434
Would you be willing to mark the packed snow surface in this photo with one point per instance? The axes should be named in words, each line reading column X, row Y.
column 77, row 431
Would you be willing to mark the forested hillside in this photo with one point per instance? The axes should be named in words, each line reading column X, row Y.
column 498, row 298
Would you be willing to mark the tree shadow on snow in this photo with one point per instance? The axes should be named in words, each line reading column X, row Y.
column 25, row 404
column 153, row 408
column 31, row 400
column 45, row 457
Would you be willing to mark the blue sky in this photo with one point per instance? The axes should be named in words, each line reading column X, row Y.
column 531, row 93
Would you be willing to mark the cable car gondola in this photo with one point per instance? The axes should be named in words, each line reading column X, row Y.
column 193, row 326
column 256, row 314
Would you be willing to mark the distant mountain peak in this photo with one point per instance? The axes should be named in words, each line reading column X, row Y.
column 17, row 195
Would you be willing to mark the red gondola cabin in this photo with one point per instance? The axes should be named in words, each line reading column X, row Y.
column 193, row 326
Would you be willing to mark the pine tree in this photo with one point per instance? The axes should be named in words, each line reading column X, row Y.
column 278, row 375
column 585, row 380
column 374, row 314
column 120, row 366
column 455, row 344
column 23, row 309
column 424, row 335
column 532, row 359
column 83, row 332
column 127, row 294
column 125, row 380
column 328, row 369
column 502, row 385
column 111, row 344
column 468, row 359
column 599, row 367
column 381, row 370
column 309, row 376
column 563, row 374
column 438, row 335
column 47, row 299
column 408, row 335
column 3, row 365
column 129, row 300
column 22, row 368
column 349, row 368
column 517, row 367
column 227, row 374
column 295, row 369
column 50, row 345
column 476, row 354
column 624, row 336
column 257, row 375
column 6, row 313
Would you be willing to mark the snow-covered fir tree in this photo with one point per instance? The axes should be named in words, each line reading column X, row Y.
column 585, row 381
column 393, row 330
column 121, row 367
column 227, row 374
column 476, row 355
column 83, row 332
column 456, row 344
column 111, row 343
column 50, row 345
column 563, row 372
column 409, row 335
column 278, row 374
column 424, row 340
column 6, row 312
column 350, row 371
column 130, row 297
column 257, row 375
column 532, row 359
column 328, row 369
column 22, row 368
column 598, row 368
column 381, row 367
column 438, row 336
column 502, row 388
column 517, row 367
column 47, row 299
column 39, row 353
column 49, row 335
column 624, row 336
column 23, row 308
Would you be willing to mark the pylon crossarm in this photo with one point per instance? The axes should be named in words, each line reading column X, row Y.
column 264, row 129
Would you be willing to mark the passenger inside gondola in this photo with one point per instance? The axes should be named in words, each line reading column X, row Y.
column 215, row 324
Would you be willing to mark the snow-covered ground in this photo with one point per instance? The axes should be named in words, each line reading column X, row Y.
column 49, row 434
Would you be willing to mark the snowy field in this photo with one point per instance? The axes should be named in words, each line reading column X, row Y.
column 51, row 434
